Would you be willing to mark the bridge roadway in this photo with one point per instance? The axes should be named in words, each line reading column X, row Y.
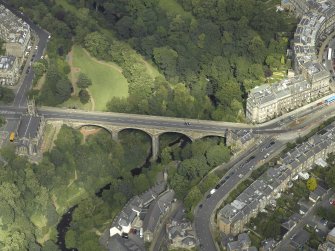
column 137, row 121
column 202, row 216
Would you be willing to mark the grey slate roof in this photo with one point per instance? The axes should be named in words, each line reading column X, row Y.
column 117, row 243
column 156, row 209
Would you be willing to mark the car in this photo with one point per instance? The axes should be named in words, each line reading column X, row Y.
column 187, row 123
column 208, row 196
column 133, row 231
column 250, row 159
column 28, row 69
column 200, row 206
column 212, row 191
column 324, row 222
column 217, row 186
column 269, row 145
column 36, row 47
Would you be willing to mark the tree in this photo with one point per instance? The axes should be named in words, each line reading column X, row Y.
column 84, row 96
column 2, row 121
column 6, row 95
column 97, row 44
column 166, row 155
column 63, row 90
column 192, row 198
column 217, row 155
column 6, row 214
column 39, row 70
column 330, row 177
column 166, row 58
column 70, row 239
column 83, row 81
column 2, row 47
column 209, row 182
column 311, row 184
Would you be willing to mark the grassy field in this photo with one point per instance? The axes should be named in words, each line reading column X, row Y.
column 174, row 8
column 107, row 78
column 171, row 6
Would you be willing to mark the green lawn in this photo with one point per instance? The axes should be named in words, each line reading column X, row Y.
column 170, row 6
column 174, row 8
column 107, row 80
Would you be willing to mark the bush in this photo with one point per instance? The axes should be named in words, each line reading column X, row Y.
column 6, row 95
column 83, row 81
column 84, row 96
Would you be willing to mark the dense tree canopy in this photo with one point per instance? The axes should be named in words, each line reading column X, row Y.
column 218, row 50
column 6, row 95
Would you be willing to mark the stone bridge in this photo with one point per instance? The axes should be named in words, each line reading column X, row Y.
column 154, row 133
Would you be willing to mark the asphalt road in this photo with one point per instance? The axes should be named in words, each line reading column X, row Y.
column 241, row 168
column 21, row 95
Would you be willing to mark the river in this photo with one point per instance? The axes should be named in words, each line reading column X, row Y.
column 62, row 228
column 66, row 219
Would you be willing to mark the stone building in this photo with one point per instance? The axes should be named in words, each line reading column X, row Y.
column 8, row 70
column 234, row 216
column 181, row 235
column 29, row 135
column 15, row 32
column 239, row 139
column 313, row 79
column 267, row 101
column 299, row 7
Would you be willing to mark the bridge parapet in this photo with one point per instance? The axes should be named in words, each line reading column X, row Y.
column 154, row 133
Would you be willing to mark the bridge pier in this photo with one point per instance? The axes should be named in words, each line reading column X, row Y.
column 154, row 147
column 115, row 135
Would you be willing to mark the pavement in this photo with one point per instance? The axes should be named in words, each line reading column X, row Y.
column 240, row 170
column 42, row 37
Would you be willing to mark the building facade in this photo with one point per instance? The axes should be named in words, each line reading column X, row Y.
column 15, row 32
column 234, row 216
column 312, row 79
column 9, row 70
column 29, row 135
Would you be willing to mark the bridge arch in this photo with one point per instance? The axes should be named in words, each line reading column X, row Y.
column 79, row 127
column 222, row 138
column 187, row 135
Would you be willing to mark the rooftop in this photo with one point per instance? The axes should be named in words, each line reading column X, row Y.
column 117, row 243
column 252, row 196
column 12, row 28
column 156, row 209
column 6, row 62
column 267, row 94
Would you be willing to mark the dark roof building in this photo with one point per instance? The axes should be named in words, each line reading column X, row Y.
column 299, row 240
column 29, row 135
column 117, row 243
column 156, row 210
